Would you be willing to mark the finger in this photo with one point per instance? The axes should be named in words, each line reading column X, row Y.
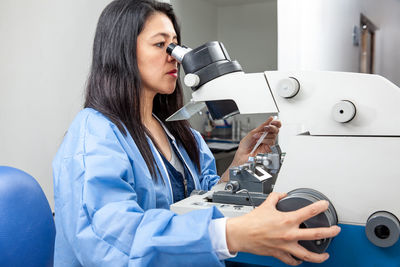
column 273, row 198
column 303, row 254
column 276, row 123
column 309, row 211
column 262, row 125
column 270, row 129
column 317, row 233
column 265, row 148
column 286, row 258
column 256, row 136
column 268, row 139
column 269, row 142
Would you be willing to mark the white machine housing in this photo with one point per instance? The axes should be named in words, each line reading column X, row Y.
column 355, row 163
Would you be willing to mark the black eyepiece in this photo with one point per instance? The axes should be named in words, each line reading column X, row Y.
column 170, row 47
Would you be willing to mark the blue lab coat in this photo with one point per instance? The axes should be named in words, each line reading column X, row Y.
column 109, row 211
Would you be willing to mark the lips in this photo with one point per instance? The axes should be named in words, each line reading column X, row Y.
column 173, row 72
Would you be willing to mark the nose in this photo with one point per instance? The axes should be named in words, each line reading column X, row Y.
column 170, row 59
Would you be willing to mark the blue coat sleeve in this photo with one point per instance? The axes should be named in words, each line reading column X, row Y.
column 103, row 222
column 208, row 170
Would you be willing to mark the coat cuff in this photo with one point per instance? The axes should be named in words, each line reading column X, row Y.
column 217, row 230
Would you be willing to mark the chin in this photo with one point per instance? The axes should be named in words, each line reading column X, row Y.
column 167, row 90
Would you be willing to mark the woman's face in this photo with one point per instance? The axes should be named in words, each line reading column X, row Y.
column 158, row 70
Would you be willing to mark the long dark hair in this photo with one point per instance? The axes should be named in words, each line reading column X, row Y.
column 114, row 84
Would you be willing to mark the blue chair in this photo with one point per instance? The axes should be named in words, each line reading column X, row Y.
column 27, row 229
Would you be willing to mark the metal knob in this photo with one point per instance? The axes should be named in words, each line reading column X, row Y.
column 191, row 80
column 344, row 111
column 382, row 229
column 232, row 186
column 288, row 88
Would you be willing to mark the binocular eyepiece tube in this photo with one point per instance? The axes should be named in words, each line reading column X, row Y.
column 177, row 52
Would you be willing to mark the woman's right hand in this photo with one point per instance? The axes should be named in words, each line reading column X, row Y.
column 267, row 231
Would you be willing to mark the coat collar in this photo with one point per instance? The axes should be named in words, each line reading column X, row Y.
column 196, row 182
column 165, row 128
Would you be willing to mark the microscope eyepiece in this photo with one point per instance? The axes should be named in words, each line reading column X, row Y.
column 177, row 51
column 170, row 47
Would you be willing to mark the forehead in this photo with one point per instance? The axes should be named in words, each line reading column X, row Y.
column 158, row 23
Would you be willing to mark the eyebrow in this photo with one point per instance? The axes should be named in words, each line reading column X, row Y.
column 164, row 35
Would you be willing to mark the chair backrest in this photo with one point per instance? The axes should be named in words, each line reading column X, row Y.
column 27, row 229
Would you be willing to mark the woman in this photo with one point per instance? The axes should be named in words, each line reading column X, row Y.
column 119, row 167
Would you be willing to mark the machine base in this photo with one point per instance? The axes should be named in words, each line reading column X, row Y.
column 350, row 248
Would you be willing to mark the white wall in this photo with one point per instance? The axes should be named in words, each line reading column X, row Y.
column 249, row 33
column 45, row 53
column 317, row 35
column 198, row 20
column 386, row 16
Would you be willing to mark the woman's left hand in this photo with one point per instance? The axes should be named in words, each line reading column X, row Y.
column 247, row 144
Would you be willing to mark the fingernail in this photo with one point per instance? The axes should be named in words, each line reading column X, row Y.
column 326, row 256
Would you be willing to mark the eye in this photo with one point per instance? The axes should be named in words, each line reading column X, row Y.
column 160, row 44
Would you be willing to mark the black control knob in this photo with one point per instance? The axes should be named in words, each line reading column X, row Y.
column 299, row 198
